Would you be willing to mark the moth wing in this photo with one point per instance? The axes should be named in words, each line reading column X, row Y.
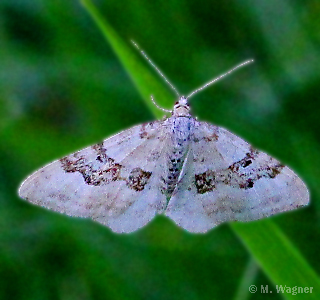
column 115, row 182
column 225, row 179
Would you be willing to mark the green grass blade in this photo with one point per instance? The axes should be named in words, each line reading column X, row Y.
column 277, row 256
column 269, row 246
column 247, row 280
column 146, row 83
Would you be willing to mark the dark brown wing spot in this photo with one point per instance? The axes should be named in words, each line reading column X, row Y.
column 138, row 178
column 238, row 175
column 101, row 151
column 212, row 137
column 97, row 173
column 205, row 182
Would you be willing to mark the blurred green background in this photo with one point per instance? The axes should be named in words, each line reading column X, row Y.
column 62, row 88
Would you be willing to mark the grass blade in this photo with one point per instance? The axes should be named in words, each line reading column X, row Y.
column 269, row 246
column 277, row 256
column 146, row 83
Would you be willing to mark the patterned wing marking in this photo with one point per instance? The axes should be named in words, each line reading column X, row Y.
column 250, row 185
column 112, row 182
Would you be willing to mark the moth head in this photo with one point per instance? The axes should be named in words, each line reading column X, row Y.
column 181, row 108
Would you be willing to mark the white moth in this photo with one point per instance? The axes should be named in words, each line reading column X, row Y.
column 196, row 173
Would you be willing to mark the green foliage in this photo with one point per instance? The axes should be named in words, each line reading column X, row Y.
column 62, row 88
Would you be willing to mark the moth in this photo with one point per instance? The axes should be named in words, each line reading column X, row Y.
column 196, row 173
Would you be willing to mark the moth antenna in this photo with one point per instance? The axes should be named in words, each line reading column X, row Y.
column 163, row 109
column 155, row 67
column 219, row 77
